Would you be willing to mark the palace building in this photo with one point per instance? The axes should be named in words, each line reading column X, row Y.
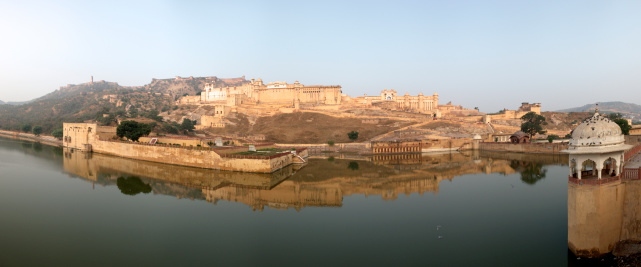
column 418, row 103
column 257, row 92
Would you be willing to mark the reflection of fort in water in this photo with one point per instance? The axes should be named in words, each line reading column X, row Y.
column 322, row 183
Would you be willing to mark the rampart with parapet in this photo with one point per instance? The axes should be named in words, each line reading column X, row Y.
column 84, row 137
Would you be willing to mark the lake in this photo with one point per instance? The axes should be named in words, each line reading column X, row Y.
column 458, row 209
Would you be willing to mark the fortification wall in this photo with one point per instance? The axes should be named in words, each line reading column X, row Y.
column 90, row 165
column 236, row 149
column 632, row 140
column 174, row 140
column 446, row 144
column 82, row 136
column 193, row 157
column 277, row 95
column 543, row 148
column 190, row 99
column 631, row 227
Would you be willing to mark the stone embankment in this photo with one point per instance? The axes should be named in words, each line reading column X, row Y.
column 49, row 140
column 541, row 148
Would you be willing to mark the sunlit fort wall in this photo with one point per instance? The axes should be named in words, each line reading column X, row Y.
column 83, row 137
column 255, row 92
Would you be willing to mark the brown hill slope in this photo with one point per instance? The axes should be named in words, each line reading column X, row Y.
column 307, row 127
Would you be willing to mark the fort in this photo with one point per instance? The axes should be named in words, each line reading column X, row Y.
column 257, row 92
column 254, row 97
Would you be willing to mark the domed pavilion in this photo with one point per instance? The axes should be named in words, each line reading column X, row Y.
column 596, row 149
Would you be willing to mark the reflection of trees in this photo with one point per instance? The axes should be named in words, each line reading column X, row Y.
column 132, row 185
column 353, row 165
column 37, row 146
column 27, row 145
column 531, row 172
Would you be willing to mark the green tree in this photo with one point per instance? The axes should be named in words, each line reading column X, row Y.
column 533, row 124
column 330, row 142
column 188, row 125
column 57, row 133
column 133, row 112
column 132, row 130
column 106, row 120
column 353, row 135
column 26, row 128
column 623, row 124
column 552, row 137
column 37, row 130
column 153, row 114
column 170, row 127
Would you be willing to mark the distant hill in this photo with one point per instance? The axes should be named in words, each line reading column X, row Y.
column 77, row 89
column 173, row 86
column 628, row 110
column 95, row 100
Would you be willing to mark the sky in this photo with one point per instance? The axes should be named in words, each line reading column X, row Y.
column 486, row 54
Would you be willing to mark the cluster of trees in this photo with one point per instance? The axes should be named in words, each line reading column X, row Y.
column 533, row 124
column 36, row 130
column 132, row 130
column 174, row 128
column 623, row 123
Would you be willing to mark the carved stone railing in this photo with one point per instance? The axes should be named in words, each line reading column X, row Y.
column 631, row 174
column 593, row 181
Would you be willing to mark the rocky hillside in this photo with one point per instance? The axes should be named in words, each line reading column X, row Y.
column 72, row 90
column 103, row 101
column 306, row 127
column 628, row 110
column 178, row 86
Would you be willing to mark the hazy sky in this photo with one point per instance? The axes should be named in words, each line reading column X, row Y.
column 486, row 54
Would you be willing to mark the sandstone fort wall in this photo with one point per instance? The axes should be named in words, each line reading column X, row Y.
column 82, row 136
column 543, row 148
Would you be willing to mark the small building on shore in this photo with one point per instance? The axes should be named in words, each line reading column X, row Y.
column 519, row 137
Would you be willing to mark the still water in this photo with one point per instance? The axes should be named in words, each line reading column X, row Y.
column 490, row 209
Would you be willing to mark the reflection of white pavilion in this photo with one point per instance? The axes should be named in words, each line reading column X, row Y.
column 596, row 149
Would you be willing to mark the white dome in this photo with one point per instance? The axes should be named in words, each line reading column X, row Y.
column 477, row 137
column 597, row 131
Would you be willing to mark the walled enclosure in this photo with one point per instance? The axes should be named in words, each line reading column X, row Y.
column 82, row 136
